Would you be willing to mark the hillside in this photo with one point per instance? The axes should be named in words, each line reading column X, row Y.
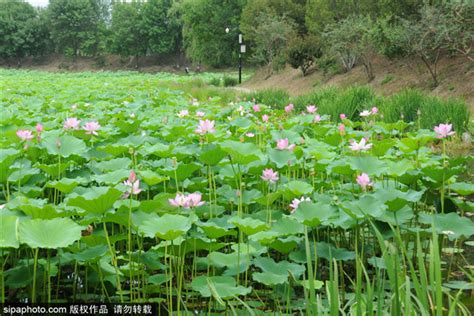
column 456, row 79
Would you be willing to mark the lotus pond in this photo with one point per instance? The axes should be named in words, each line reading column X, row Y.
column 125, row 188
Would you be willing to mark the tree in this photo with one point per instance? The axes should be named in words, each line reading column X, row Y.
column 163, row 32
column 271, row 39
column 204, row 23
column 128, row 36
column 352, row 39
column 426, row 37
column 23, row 30
column 75, row 26
column 302, row 52
column 460, row 34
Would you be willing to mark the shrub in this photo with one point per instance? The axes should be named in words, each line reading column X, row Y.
column 215, row 81
column 388, row 36
column 272, row 97
column 230, row 81
column 302, row 52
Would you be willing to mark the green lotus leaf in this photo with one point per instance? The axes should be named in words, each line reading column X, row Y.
column 211, row 154
column 68, row 145
column 56, row 169
column 182, row 171
column 288, row 225
column 229, row 260
column 65, row 185
column 279, row 268
column 298, row 188
column 269, row 279
column 112, row 177
column 7, row 157
column 367, row 205
column 317, row 284
column 9, row 231
column 220, row 287
column 265, row 237
column 281, row 158
column 248, row 226
column 217, row 227
column 370, row 165
column 451, row 224
column 151, row 178
column 285, row 245
column 241, row 153
column 167, row 227
column 462, row 188
column 113, row 164
column 313, row 214
column 36, row 208
column 95, row 199
column 49, row 233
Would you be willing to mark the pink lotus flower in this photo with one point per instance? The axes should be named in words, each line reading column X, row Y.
column 289, row 108
column 205, row 126
column 39, row 127
column 183, row 113
column 24, row 134
column 193, row 200
column 361, row 146
column 190, row 201
column 91, row 128
column 269, row 175
column 294, row 204
column 365, row 113
column 178, row 201
column 342, row 129
column 200, row 114
column 265, row 118
column 250, row 135
column 311, row 109
column 256, row 108
column 443, row 130
column 364, row 181
column 342, row 116
column 374, row 110
column 282, row 144
column 317, row 118
column 133, row 183
column 71, row 123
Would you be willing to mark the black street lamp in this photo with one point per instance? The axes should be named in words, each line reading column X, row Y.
column 242, row 50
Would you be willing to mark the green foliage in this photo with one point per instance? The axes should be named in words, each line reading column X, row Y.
column 414, row 106
column 388, row 36
column 302, row 52
column 352, row 40
column 273, row 97
column 271, row 38
column 216, row 81
column 229, row 81
column 128, row 37
column 75, row 26
column 23, row 30
column 204, row 23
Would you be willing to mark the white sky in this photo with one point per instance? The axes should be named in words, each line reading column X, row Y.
column 38, row 3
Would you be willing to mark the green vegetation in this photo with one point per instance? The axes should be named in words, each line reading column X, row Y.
column 128, row 187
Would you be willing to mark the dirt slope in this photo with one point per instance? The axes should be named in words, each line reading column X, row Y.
column 456, row 76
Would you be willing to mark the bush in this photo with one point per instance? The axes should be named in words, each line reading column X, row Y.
column 302, row 52
column 230, row 81
column 215, row 81
column 272, row 97
column 388, row 37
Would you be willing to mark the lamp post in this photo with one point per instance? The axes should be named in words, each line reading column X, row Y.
column 242, row 50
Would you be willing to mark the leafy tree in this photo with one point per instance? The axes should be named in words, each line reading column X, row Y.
column 460, row 34
column 204, row 23
column 426, row 37
column 352, row 39
column 271, row 39
column 23, row 30
column 163, row 32
column 128, row 36
column 75, row 26
column 302, row 52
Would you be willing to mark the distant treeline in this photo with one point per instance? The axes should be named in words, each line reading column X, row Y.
column 333, row 34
